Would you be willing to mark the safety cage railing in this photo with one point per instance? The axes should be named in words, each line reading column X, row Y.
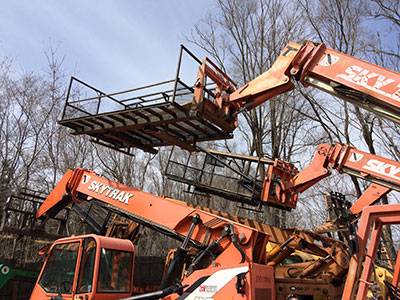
column 236, row 177
column 147, row 117
column 19, row 216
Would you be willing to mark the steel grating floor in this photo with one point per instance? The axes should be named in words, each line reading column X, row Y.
column 152, row 122
column 148, row 127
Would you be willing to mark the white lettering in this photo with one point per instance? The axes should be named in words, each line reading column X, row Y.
column 120, row 196
column 109, row 191
column 383, row 168
column 94, row 186
column 126, row 198
column 393, row 171
column 381, row 81
column 103, row 188
column 361, row 77
column 397, row 93
column 114, row 194
column 351, row 72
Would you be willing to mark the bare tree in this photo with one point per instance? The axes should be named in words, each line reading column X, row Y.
column 246, row 37
column 344, row 29
column 35, row 151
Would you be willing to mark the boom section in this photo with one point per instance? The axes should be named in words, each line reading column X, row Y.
column 169, row 216
column 377, row 169
column 364, row 84
column 349, row 160
column 382, row 172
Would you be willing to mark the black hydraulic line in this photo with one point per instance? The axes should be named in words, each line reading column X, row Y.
column 204, row 258
column 149, row 224
column 176, row 266
column 393, row 291
column 236, row 243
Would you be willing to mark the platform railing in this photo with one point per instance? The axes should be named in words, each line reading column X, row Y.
column 155, row 93
column 19, row 216
column 152, row 116
column 217, row 175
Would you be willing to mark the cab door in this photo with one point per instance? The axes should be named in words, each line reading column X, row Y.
column 58, row 276
column 84, row 287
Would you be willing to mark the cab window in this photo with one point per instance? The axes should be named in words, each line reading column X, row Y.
column 59, row 272
column 87, row 266
column 115, row 271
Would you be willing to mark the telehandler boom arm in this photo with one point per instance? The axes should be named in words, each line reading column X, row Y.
column 382, row 172
column 364, row 84
column 171, row 217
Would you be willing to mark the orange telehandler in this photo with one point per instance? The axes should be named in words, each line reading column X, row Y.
column 78, row 267
column 385, row 177
column 363, row 84
column 230, row 254
column 231, row 258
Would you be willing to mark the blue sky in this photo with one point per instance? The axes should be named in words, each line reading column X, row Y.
column 110, row 44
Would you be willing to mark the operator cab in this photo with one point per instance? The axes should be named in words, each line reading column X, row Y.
column 85, row 267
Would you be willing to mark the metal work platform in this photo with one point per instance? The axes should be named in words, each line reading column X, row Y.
column 211, row 172
column 18, row 217
column 147, row 117
column 248, row 180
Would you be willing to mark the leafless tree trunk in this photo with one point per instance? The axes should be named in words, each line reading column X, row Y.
column 343, row 30
column 246, row 37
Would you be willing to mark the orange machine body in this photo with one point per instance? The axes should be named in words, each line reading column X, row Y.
column 382, row 172
column 241, row 253
column 221, row 283
column 170, row 215
column 237, row 272
column 217, row 282
column 372, row 219
column 47, row 286
column 385, row 177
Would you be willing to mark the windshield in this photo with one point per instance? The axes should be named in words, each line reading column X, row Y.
column 59, row 272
